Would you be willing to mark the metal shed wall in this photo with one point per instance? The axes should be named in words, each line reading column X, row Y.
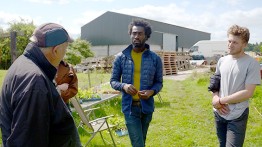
column 112, row 29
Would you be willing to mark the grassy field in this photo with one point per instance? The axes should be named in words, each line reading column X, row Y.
column 184, row 119
column 2, row 75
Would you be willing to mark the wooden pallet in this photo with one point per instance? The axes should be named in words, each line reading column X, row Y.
column 183, row 62
column 174, row 61
column 169, row 71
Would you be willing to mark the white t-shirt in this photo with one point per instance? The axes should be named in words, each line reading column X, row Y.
column 235, row 74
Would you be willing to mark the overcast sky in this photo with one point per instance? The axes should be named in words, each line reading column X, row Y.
column 212, row 16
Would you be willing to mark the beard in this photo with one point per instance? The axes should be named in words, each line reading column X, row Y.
column 138, row 44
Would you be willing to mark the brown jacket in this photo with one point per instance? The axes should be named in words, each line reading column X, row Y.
column 66, row 74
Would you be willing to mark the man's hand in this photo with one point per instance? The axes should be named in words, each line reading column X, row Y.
column 130, row 89
column 222, row 108
column 215, row 102
column 145, row 94
column 63, row 87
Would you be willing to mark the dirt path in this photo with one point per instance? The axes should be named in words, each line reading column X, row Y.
column 182, row 75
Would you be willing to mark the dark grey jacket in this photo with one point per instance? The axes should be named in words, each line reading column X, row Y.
column 214, row 84
column 31, row 110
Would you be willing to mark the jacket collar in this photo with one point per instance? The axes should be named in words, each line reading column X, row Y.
column 35, row 54
column 127, row 51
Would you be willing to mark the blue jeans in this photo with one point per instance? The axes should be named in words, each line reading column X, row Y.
column 137, row 124
column 231, row 133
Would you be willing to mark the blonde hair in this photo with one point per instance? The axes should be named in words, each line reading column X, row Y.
column 242, row 32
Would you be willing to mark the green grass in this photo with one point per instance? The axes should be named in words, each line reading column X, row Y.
column 2, row 75
column 95, row 78
column 184, row 119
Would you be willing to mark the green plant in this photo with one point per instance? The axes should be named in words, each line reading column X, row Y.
column 88, row 93
column 119, row 121
column 84, row 93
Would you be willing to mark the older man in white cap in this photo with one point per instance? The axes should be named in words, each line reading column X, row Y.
column 32, row 112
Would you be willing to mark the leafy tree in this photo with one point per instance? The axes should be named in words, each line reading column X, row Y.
column 24, row 30
column 254, row 47
column 250, row 47
column 5, row 57
column 260, row 47
column 1, row 30
column 78, row 50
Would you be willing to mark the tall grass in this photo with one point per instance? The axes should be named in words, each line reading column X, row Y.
column 2, row 75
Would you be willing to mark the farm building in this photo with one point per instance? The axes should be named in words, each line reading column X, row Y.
column 108, row 35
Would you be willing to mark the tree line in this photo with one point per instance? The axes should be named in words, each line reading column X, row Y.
column 257, row 47
column 78, row 50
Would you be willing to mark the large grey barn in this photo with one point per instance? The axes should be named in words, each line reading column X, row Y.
column 108, row 35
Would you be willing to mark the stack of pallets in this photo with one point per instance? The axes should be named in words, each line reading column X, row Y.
column 169, row 62
column 98, row 63
column 183, row 61
column 174, row 61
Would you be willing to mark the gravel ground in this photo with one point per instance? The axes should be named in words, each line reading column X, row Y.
column 182, row 75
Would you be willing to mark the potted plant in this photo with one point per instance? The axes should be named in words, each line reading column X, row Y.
column 120, row 128
column 85, row 95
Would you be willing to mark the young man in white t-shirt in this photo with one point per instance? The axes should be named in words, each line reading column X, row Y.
column 240, row 74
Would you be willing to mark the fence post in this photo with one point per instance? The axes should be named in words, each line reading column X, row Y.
column 13, row 35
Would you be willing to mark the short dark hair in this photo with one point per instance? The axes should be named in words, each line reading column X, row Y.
column 142, row 23
column 242, row 32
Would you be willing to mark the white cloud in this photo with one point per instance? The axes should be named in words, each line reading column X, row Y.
column 101, row 0
column 6, row 18
column 207, row 20
column 234, row 2
column 50, row 1
column 171, row 14
column 216, row 24
column 249, row 19
column 84, row 18
column 66, row 1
